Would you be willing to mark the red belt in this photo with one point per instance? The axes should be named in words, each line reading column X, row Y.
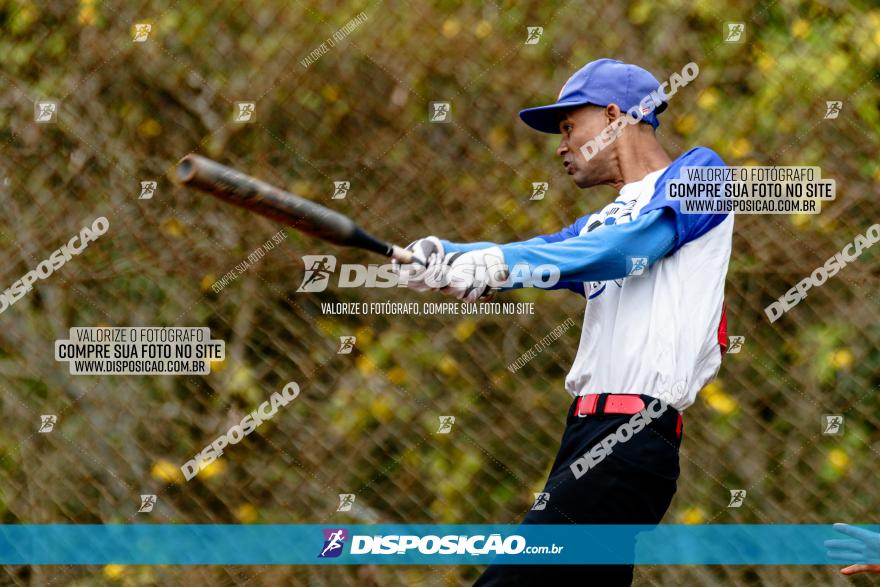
column 615, row 403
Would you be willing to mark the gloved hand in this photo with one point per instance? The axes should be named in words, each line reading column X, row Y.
column 425, row 251
column 468, row 276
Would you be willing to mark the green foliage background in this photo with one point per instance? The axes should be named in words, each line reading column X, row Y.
column 365, row 423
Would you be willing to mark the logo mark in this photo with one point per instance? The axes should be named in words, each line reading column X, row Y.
column 318, row 270
column 533, row 34
column 735, row 32
column 446, row 423
column 47, row 423
column 45, row 111
column 346, row 345
column 439, row 112
column 148, row 188
column 639, row 264
column 346, row 501
column 334, row 540
column 541, row 500
column 147, row 503
column 737, row 496
column 245, row 112
column 340, row 189
column 735, row 344
column 539, row 190
column 832, row 425
column 142, row 32
column 832, row 109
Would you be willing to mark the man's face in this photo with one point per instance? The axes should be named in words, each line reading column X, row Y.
column 578, row 126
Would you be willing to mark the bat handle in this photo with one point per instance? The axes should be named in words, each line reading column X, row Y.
column 402, row 255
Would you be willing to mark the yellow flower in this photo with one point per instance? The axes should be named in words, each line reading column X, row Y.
column 841, row 359
column 465, row 329
column 800, row 220
column 330, row 93
column 693, row 515
column 708, row 99
column 837, row 62
column 241, row 378
column 87, row 12
column 483, row 29
column 212, row 469
column 766, row 62
column 166, row 471
column 723, row 404
column 800, row 28
column 114, row 571
column 873, row 20
column 364, row 335
column 838, row 460
column 173, row 227
column 365, row 365
column 207, row 281
column 740, row 148
column 451, row 27
column 447, row 365
column 640, row 12
column 23, row 18
column 826, row 224
column 685, row 124
column 380, row 408
column 719, row 401
column 497, row 137
column 150, row 128
column 397, row 376
column 246, row 513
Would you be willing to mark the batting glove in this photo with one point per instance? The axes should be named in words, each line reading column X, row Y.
column 469, row 276
column 426, row 252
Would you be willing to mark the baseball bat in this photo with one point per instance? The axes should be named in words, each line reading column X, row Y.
column 242, row 190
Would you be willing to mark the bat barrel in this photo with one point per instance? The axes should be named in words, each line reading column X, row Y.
column 186, row 169
column 258, row 196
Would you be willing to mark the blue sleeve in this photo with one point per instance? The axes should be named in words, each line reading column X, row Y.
column 608, row 252
column 450, row 247
column 688, row 227
column 567, row 232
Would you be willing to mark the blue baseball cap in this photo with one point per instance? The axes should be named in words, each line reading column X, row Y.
column 601, row 82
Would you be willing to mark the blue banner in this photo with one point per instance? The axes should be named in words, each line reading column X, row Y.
column 443, row 544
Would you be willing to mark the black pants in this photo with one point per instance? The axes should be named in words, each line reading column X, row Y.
column 634, row 484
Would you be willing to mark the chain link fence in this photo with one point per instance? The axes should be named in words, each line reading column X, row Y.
column 356, row 110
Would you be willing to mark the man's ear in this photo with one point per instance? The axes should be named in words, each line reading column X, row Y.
column 612, row 113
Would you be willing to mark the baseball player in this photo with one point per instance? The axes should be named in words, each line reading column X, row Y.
column 654, row 329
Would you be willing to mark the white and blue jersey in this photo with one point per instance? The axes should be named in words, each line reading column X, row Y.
column 654, row 280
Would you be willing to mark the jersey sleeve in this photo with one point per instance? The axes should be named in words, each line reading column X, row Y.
column 688, row 227
column 569, row 231
column 450, row 247
column 609, row 252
